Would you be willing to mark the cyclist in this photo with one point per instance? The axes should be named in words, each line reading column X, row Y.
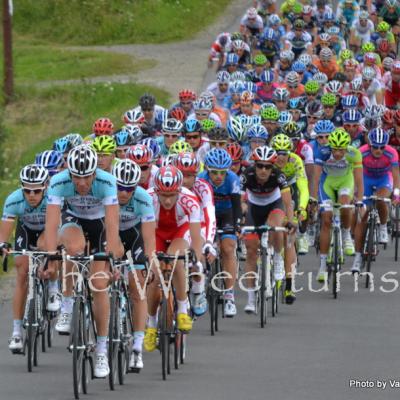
column 236, row 153
column 171, row 132
column 251, row 24
column 269, row 45
column 390, row 13
column 221, row 45
column 220, row 88
column 338, row 174
column 105, row 147
column 266, row 196
column 203, row 109
column 383, row 31
column 153, row 113
column 52, row 160
column 351, row 123
column 392, row 88
column 269, row 119
column 329, row 103
column 226, row 187
column 89, row 195
column 186, row 99
column 178, row 217
column 266, row 87
column 283, row 65
column 127, row 136
column 326, row 63
column 361, row 30
column 144, row 157
column 381, row 175
column 102, row 126
column 259, row 66
column 137, row 233
column 193, row 134
column 26, row 206
column 298, row 40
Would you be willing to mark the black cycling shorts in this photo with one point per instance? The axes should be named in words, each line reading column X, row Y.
column 258, row 215
column 132, row 240
column 25, row 238
column 225, row 221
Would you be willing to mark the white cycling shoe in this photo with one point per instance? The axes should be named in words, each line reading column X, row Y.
column 15, row 343
column 101, row 368
column 54, row 302
column 230, row 309
column 63, row 325
column 136, row 361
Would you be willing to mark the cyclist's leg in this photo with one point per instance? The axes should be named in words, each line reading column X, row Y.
column 276, row 218
column 384, row 189
column 345, row 188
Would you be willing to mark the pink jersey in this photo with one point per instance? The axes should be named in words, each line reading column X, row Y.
column 377, row 167
column 204, row 192
column 305, row 152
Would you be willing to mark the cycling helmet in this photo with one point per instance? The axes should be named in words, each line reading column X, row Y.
column 296, row 103
column 257, row 132
column 334, row 87
column 218, row 159
column 323, row 126
column 169, row 159
column 270, row 114
column 82, row 161
column 333, row 31
column 383, row 26
column 328, row 16
column 260, row 59
column 238, row 76
column 281, row 142
column 202, row 104
column 356, row 85
column 239, row 45
column 134, row 116
column 50, row 159
column 328, row 99
column 172, row 125
column 187, row 162
column 307, row 9
column 339, row 139
column 388, row 117
column 127, row 173
column 147, row 102
column 268, row 34
column 236, row 36
column 207, row 125
column 374, row 111
column 325, row 54
column 63, row 145
column 104, row 144
column 292, row 129
column 218, row 134
column 246, row 97
column 305, row 58
column 363, row 14
column 102, row 126
column 235, row 129
column 231, row 59
column 292, row 79
column 391, row 3
column 187, row 95
column 286, row 55
column 33, row 174
column 75, row 139
column 153, row 145
column 367, row 48
column 346, row 54
column 388, row 63
column 350, row 63
column 280, row 94
column 378, row 137
column 325, row 37
column 177, row 113
column 237, row 87
column 383, row 46
column 180, row 146
column 123, row 138
column 274, row 19
column 251, row 13
column 264, row 153
column 284, row 118
column 370, row 58
column 192, row 125
column 320, row 78
column 311, row 87
column 251, row 87
column 349, row 101
column 298, row 67
column 223, row 77
column 235, row 151
column 351, row 116
column 168, row 179
column 368, row 73
column 297, row 9
column 396, row 67
column 314, row 108
column 267, row 77
column 140, row 154
column 299, row 24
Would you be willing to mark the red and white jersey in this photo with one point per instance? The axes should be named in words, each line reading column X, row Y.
column 305, row 152
column 203, row 190
column 186, row 210
column 150, row 180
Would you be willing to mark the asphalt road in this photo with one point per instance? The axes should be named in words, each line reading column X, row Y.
column 311, row 350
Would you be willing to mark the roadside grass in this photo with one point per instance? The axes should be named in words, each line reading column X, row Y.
column 89, row 22
column 40, row 115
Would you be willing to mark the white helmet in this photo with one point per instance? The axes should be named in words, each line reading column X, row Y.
column 252, row 13
column 34, row 174
column 223, row 77
column 264, row 153
column 82, row 161
column 127, row 173
column 172, row 125
column 368, row 73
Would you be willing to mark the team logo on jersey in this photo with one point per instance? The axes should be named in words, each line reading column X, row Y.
column 189, row 203
column 19, row 241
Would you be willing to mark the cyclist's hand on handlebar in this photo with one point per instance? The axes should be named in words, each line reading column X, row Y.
column 301, row 215
column 396, row 199
column 209, row 251
column 4, row 248
column 291, row 227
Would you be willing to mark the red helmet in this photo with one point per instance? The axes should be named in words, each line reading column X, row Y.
column 396, row 67
column 384, row 46
column 103, row 126
column 140, row 154
column 370, row 57
column 178, row 113
column 187, row 162
column 396, row 116
column 168, row 179
column 388, row 117
column 235, row 151
column 187, row 95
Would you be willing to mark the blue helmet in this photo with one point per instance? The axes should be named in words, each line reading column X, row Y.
column 237, row 87
column 323, row 126
column 284, row 118
column 378, row 137
column 251, row 87
column 63, row 145
column 218, row 159
column 235, row 129
column 257, row 132
column 192, row 125
column 298, row 66
column 232, row 59
column 296, row 103
column 351, row 115
column 349, row 101
column 123, row 138
column 268, row 34
column 153, row 145
column 329, row 16
column 267, row 76
column 50, row 159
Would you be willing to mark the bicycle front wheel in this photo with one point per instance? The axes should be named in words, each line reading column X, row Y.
column 263, row 289
column 164, row 338
column 336, row 261
column 78, row 345
column 31, row 337
column 113, row 339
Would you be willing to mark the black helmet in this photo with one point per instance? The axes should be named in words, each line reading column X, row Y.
column 147, row 101
column 218, row 134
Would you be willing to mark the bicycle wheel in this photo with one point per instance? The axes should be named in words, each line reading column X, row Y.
column 177, row 349
column 31, row 334
column 183, row 348
column 263, row 288
column 164, row 338
column 44, row 318
column 370, row 249
column 336, row 261
column 89, row 339
column 126, row 345
column 396, row 229
column 113, row 339
column 78, row 344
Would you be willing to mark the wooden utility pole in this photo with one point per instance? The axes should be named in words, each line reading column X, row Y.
column 7, row 48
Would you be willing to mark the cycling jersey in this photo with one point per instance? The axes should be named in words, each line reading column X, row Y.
column 378, row 167
column 330, row 70
column 254, row 26
column 395, row 143
column 265, row 193
column 138, row 209
column 263, row 95
column 298, row 43
column 16, row 206
column 220, row 96
column 157, row 118
column 91, row 206
column 304, row 151
column 317, row 148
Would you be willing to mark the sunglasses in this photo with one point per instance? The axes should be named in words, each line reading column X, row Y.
column 378, row 147
column 351, row 125
column 186, row 103
column 236, row 162
column 34, row 191
column 282, row 152
column 144, row 167
column 147, row 109
column 218, row 171
column 322, row 136
column 202, row 115
column 264, row 166
column 168, row 195
column 218, row 143
column 170, row 135
column 125, row 189
column 312, row 117
column 101, row 155
column 192, row 137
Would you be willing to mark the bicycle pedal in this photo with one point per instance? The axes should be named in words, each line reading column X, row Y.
column 18, row 352
column 63, row 333
column 134, row 370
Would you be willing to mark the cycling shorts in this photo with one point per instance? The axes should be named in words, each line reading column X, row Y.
column 258, row 215
column 332, row 187
column 382, row 182
column 93, row 230
column 164, row 239
column 25, row 239
column 225, row 221
column 132, row 240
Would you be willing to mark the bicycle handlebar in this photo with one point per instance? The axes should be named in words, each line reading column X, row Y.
column 190, row 254
column 263, row 228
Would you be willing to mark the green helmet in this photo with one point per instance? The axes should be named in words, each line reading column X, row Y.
column 236, row 36
column 180, row 147
column 292, row 130
column 339, row 139
column 297, row 8
column 104, row 144
column 311, row 87
column 270, row 114
column 260, row 59
column 207, row 125
column 367, row 48
column 281, row 142
column 345, row 54
column 383, row 27
column 328, row 99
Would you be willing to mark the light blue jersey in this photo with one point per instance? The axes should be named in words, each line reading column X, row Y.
column 91, row 206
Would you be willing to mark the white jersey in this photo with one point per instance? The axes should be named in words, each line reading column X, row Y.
column 258, row 23
column 220, row 96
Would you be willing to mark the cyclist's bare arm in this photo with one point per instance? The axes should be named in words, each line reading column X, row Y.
column 358, row 183
column 6, row 228
column 316, row 178
column 149, row 238
column 196, row 239
column 114, row 244
column 53, row 218
column 287, row 201
column 396, row 177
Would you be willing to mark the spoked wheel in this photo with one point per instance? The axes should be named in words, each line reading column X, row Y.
column 163, row 338
column 78, row 342
column 177, row 349
column 263, row 289
column 183, row 348
column 370, row 251
column 50, row 329
column 113, row 339
column 31, row 336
